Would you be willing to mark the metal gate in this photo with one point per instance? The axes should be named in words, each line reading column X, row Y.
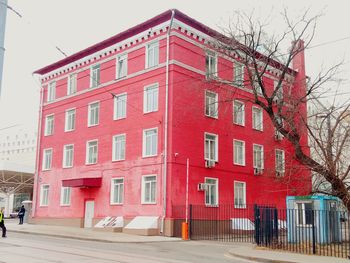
column 266, row 225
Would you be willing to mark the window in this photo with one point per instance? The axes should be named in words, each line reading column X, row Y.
column 211, row 147
column 152, row 55
column 44, row 195
column 238, row 113
column 238, row 152
column 117, row 190
column 210, row 64
column 257, row 118
column 68, row 153
column 211, row 104
column 91, row 152
column 69, row 120
column 148, row 191
column 239, row 194
column 93, row 114
column 47, row 159
column 150, row 98
column 122, row 66
column 65, row 196
column 279, row 91
column 51, row 91
column 279, row 159
column 119, row 147
column 120, row 106
column 211, row 193
column 258, row 156
column 49, row 124
column 150, row 142
column 256, row 85
column 238, row 74
column 95, row 76
column 72, row 84
column 304, row 213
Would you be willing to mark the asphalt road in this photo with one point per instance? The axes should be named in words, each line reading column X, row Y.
column 34, row 248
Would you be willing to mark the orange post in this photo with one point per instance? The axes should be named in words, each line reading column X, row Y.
column 184, row 230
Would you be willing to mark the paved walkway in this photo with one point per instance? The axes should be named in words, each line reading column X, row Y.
column 245, row 251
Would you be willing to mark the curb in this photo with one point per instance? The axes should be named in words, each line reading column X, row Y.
column 86, row 238
column 257, row 259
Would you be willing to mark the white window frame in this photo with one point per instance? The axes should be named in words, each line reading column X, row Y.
column 152, row 45
column 119, row 185
column 208, row 191
column 50, row 131
column 65, row 153
column 90, row 124
column 244, row 197
column 154, row 88
column 261, row 155
column 65, row 191
column 211, row 107
column 236, row 112
column 144, row 143
column 94, row 83
column 121, row 74
column 51, row 91
column 123, row 100
column 243, row 153
column 216, row 156
column 209, row 56
column 47, row 166
column 303, row 211
column 238, row 79
column 277, row 164
column 47, row 192
column 279, row 93
column 68, row 117
column 72, row 83
column 87, row 152
column 114, row 151
column 261, row 116
column 143, row 189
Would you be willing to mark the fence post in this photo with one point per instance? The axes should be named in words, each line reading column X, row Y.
column 313, row 233
column 190, row 221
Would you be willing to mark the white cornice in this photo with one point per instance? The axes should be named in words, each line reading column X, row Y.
column 120, row 46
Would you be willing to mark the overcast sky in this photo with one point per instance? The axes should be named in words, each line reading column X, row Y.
column 72, row 25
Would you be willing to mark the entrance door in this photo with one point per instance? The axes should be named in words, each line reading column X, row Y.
column 89, row 213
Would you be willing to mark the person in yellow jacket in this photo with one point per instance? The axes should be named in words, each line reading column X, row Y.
column 2, row 222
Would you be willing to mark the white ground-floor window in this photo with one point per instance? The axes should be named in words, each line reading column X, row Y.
column 149, row 189
column 44, row 195
column 117, row 191
column 65, row 196
column 211, row 192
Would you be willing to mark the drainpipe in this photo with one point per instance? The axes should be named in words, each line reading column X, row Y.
column 36, row 173
column 165, row 171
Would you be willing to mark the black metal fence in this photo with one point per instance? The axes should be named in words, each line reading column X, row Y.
column 308, row 231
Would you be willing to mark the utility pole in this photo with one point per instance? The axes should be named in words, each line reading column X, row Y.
column 3, row 12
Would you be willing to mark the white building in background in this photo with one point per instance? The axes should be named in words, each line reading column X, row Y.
column 17, row 163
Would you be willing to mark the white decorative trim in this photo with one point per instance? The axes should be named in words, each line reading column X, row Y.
column 109, row 50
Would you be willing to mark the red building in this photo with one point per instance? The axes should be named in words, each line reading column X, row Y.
column 120, row 119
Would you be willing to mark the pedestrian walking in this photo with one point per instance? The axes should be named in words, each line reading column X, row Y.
column 21, row 213
column 2, row 222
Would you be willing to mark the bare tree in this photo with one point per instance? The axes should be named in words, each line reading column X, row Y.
column 245, row 41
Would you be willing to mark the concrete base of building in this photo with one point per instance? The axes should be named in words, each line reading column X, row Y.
column 79, row 222
column 71, row 222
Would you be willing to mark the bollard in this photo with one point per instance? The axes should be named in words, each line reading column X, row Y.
column 184, row 231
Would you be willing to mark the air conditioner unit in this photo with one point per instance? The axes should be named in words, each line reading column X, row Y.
column 278, row 136
column 258, row 171
column 209, row 163
column 202, row 187
column 279, row 174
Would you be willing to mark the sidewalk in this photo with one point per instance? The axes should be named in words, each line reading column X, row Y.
column 245, row 251
column 251, row 252
column 82, row 233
